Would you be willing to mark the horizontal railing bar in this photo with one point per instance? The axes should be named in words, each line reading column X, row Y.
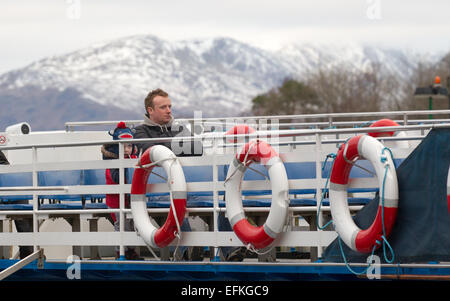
column 222, row 159
column 213, row 136
column 34, row 188
column 194, row 238
column 325, row 123
column 305, row 208
column 306, row 116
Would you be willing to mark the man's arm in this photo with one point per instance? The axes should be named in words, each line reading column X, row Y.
column 141, row 133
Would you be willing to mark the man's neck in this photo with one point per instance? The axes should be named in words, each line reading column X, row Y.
column 148, row 120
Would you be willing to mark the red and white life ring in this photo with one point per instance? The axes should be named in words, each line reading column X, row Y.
column 369, row 148
column 400, row 134
column 258, row 237
column 164, row 157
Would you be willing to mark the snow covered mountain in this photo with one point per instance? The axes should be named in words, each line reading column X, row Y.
column 218, row 76
column 306, row 58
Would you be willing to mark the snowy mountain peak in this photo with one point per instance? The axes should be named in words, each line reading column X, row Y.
column 218, row 76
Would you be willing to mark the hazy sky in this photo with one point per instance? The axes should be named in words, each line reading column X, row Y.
column 34, row 29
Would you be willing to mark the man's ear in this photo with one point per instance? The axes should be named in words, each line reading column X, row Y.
column 149, row 110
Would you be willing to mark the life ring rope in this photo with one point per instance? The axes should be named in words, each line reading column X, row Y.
column 243, row 164
column 246, row 166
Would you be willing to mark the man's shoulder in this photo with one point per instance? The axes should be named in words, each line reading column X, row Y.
column 145, row 130
column 140, row 127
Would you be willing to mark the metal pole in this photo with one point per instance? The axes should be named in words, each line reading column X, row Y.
column 318, row 187
column 430, row 106
column 216, row 208
column 121, row 198
column 39, row 254
column 35, row 196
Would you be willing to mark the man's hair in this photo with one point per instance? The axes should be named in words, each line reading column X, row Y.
column 149, row 99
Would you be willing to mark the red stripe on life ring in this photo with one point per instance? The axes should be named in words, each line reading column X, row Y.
column 139, row 181
column 140, row 175
column 366, row 239
column 250, row 234
column 165, row 234
column 341, row 168
column 260, row 152
column 448, row 203
column 380, row 123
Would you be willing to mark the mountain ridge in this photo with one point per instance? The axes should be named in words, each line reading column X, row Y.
column 218, row 76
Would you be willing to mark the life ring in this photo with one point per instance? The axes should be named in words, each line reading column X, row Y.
column 163, row 157
column 258, row 237
column 363, row 146
column 400, row 134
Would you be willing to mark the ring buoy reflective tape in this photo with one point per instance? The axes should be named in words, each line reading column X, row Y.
column 369, row 148
column 389, row 122
column 164, row 157
column 258, row 237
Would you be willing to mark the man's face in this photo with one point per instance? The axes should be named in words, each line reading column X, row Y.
column 161, row 112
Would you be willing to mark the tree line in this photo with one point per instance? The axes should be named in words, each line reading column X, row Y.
column 343, row 88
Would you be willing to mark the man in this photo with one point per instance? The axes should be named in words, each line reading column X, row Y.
column 159, row 123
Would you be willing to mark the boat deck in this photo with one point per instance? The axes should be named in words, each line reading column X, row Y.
column 64, row 180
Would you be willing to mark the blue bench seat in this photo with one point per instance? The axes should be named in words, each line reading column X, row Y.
column 65, row 206
column 95, row 206
column 16, row 206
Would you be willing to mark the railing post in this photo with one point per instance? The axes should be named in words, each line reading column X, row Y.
column 318, row 151
column 121, row 199
column 330, row 121
column 215, row 199
column 35, row 196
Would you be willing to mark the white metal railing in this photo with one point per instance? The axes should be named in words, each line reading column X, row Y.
column 331, row 119
column 214, row 158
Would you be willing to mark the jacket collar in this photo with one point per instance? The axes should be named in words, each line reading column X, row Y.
column 149, row 122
